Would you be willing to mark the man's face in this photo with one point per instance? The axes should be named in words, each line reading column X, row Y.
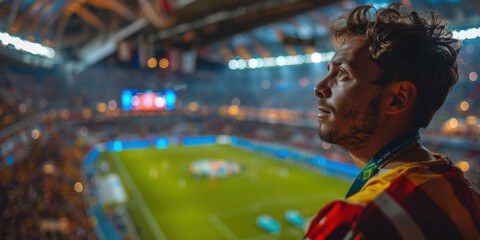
column 349, row 101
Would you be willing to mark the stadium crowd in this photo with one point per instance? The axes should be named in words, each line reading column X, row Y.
column 39, row 197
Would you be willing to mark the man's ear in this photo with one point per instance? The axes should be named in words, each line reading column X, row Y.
column 402, row 95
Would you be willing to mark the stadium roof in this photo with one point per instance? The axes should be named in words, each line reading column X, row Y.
column 89, row 30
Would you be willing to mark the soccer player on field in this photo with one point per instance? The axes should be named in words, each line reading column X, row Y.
column 391, row 72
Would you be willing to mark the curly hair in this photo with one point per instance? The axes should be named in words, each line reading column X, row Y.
column 407, row 46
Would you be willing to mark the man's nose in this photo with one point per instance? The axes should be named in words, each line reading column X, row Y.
column 322, row 90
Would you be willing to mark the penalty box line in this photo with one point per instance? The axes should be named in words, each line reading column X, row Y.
column 140, row 202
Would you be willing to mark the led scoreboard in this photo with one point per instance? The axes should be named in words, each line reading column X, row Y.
column 136, row 100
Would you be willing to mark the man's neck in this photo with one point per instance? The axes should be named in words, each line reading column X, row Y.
column 416, row 153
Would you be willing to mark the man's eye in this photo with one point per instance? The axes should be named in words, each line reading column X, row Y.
column 341, row 74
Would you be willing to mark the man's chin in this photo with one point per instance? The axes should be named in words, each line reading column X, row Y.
column 327, row 136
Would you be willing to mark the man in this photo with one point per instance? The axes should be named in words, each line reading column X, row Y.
column 392, row 70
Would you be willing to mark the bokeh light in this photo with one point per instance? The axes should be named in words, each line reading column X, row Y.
column 112, row 104
column 242, row 64
column 101, row 107
column 193, row 106
column 78, row 186
column 471, row 120
column 35, row 134
column 233, row 110
column 253, row 63
column 303, row 82
column 453, row 123
column 233, row 64
column 164, row 63
column 160, row 102
column 152, row 62
column 281, row 61
column 87, row 113
column 473, row 76
column 316, row 57
column 464, row 106
column 48, row 168
column 463, row 165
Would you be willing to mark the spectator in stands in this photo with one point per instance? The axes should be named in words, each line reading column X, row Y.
column 392, row 70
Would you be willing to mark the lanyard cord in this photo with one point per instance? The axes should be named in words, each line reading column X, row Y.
column 389, row 152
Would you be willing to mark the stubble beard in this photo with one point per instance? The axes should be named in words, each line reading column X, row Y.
column 361, row 126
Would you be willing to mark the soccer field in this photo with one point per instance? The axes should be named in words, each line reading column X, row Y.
column 167, row 202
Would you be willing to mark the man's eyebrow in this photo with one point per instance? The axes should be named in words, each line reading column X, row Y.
column 338, row 61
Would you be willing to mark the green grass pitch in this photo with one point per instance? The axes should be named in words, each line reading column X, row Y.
column 165, row 201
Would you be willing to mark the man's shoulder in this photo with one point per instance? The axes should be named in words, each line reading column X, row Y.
column 407, row 177
column 411, row 202
column 438, row 179
column 431, row 200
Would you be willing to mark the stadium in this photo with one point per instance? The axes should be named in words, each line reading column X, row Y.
column 188, row 119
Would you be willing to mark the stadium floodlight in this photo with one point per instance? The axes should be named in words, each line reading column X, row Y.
column 470, row 33
column 260, row 62
column 26, row 46
column 292, row 60
column 300, row 59
column 242, row 64
column 269, row 62
column 316, row 57
column 233, row 64
column 280, row 61
column 253, row 63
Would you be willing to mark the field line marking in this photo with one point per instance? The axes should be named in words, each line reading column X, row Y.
column 222, row 227
column 152, row 223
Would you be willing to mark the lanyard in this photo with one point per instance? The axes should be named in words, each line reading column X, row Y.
column 389, row 151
